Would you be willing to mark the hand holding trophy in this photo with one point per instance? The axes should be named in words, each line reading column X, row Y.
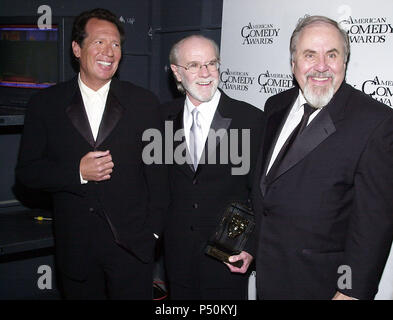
column 235, row 227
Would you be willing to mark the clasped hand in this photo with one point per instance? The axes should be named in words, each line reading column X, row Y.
column 96, row 166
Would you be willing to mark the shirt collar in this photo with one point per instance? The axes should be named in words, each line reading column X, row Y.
column 300, row 101
column 206, row 109
column 101, row 92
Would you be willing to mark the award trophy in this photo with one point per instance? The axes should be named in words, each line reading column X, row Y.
column 232, row 233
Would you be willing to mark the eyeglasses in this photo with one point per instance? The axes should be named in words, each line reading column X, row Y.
column 194, row 67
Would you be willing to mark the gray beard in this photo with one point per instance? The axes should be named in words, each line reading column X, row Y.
column 194, row 93
column 318, row 99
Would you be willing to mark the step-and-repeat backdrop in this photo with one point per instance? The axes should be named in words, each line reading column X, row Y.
column 256, row 62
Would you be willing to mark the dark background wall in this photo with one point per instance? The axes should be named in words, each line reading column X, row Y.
column 152, row 27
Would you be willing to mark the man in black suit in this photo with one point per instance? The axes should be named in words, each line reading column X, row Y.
column 82, row 142
column 324, row 182
column 203, row 187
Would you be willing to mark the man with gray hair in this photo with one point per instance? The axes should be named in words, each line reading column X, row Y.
column 202, row 188
column 324, row 179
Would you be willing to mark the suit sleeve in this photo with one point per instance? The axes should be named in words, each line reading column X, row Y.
column 371, row 225
column 35, row 168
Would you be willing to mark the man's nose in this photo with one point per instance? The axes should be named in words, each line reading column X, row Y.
column 321, row 64
column 204, row 71
column 108, row 50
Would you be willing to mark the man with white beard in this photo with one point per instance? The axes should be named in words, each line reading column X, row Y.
column 203, row 188
column 324, row 178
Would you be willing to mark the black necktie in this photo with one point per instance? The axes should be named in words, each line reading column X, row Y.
column 308, row 110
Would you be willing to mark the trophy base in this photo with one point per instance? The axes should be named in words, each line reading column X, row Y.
column 222, row 256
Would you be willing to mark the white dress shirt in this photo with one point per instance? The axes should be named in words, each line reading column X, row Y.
column 94, row 103
column 293, row 119
column 206, row 114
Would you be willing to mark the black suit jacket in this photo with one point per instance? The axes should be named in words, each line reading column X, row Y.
column 57, row 135
column 198, row 199
column 330, row 203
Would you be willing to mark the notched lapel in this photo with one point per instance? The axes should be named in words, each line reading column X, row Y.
column 77, row 114
column 112, row 114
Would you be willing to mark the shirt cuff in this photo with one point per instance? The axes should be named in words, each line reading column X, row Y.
column 82, row 180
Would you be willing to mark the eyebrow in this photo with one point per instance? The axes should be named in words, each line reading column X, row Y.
column 215, row 59
column 313, row 51
column 309, row 51
column 103, row 37
column 333, row 50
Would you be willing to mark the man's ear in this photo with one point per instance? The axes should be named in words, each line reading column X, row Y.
column 175, row 72
column 76, row 49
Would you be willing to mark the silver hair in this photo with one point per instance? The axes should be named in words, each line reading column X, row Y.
column 175, row 50
column 308, row 20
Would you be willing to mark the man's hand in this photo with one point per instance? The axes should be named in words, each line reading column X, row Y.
column 247, row 259
column 341, row 296
column 96, row 166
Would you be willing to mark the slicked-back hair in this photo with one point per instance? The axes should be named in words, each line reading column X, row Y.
column 79, row 27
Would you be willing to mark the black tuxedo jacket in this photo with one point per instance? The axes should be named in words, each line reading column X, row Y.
column 57, row 135
column 198, row 199
column 330, row 202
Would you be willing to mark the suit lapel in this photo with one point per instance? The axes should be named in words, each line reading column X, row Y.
column 273, row 129
column 112, row 114
column 314, row 134
column 77, row 114
column 181, row 144
column 219, row 122
column 322, row 126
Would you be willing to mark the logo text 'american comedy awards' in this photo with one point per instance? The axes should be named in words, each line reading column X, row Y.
column 367, row 30
column 273, row 83
column 236, row 80
column 379, row 89
column 258, row 34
